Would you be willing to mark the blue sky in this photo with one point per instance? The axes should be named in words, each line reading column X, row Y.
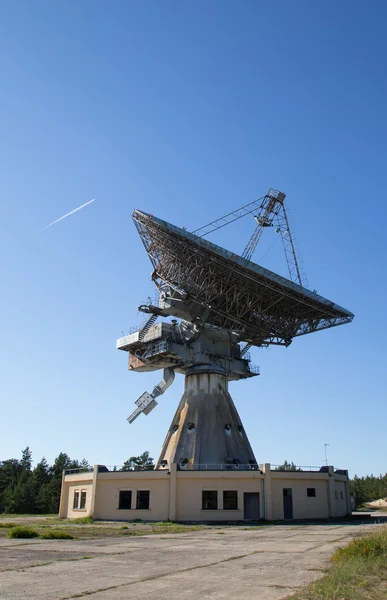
column 188, row 110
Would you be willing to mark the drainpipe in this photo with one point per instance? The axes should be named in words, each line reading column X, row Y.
column 94, row 491
column 63, row 493
column 264, row 498
column 172, row 492
column 268, row 494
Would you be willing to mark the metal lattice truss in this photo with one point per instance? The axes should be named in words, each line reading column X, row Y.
column 230, row 292
column 269, row 211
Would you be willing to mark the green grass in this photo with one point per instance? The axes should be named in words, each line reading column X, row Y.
column 55, row 534
column 22, row 532
column 358, row 572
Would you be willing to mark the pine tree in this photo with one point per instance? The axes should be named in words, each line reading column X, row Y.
column 10, row 471
column 288, row 466
column 26, row 461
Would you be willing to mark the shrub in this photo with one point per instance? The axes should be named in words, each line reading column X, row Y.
column 55, row 534
column 22, row 532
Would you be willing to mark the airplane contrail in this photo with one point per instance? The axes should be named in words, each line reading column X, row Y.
column 67, row 215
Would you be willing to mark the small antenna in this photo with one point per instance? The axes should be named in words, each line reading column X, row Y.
column 326, row 457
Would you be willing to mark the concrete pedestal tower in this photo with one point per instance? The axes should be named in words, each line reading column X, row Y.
column 206, row 431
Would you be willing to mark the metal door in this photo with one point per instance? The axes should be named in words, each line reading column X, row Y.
column 251, row 506
column 288, row 503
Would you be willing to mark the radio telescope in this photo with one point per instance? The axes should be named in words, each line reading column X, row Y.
column 221, row 305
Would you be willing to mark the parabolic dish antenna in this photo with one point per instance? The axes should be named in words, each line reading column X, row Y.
column 237, row 294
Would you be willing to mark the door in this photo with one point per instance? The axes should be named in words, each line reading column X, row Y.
column 288, row 503
column 251, row 506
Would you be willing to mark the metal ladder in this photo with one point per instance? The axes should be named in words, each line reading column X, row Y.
column 147, row 326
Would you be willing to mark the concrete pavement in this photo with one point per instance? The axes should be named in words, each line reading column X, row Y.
column 265, row 563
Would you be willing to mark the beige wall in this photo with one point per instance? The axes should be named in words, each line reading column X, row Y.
column 191, row 485
column 80, row 486
column 110, row 484
column 304, row 507
column 177, row 495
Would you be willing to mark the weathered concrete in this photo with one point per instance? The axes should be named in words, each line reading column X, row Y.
column 268, row 563
column 206, row 428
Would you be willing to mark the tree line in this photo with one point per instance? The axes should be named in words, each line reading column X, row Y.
column 369, row 488
column 24, row 489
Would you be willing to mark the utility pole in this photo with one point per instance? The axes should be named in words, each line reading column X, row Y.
column 326, row 457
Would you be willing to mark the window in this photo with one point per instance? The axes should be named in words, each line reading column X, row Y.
column 209, row 500
column 142, row 500
column 83, row 499
column 230, row 500
column 76, row 499
column 341, row 495
column 336, row 494
column 311, row 492
column 125, row 500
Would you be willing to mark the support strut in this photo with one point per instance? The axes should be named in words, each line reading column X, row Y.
column 147, row 402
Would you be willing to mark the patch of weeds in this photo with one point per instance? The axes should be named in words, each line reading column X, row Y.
column 220, row 532
column 22, row 532
column 82, row 520
column 358, row 572
column 54, row 534
column 8, row 525
column 372, row 546
column 124, row 527
column 170, row 527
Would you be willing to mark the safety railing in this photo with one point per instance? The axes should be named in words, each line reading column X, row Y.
column 78, row 470
column 217, row 467
column 295, row 468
